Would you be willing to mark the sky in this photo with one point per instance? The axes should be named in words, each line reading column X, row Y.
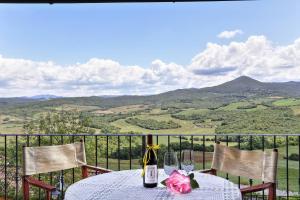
column 146, row 48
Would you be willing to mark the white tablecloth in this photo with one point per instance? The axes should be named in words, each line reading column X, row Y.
column 126, row 185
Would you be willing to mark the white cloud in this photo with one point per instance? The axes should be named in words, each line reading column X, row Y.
column 229, row 34
column 20, row 77
column 256, row 57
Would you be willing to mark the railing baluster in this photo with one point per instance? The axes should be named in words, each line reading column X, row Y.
column 168, row 143
column 17, row 167
column 239, row 146
column 180, row 152
column 143, row 145
column 73, row 170
column 275, row 146
column 130, row 164
column 287, row 166
column 5, row 167
column 106, row 152
column 227, row 146
column 39, row 144
column 96, row 151
column 62, row 172
column 51, row 174
column 119, row 166
column 203, row 152
column 27, row 140
column 299, row 165
column 263, row 148
column 157, row 144
column 192, row 149
column 251, row 148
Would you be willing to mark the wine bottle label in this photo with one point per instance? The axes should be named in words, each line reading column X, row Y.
column 151, row 174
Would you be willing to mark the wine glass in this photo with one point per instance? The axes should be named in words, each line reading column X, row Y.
column 187, row 160
column 170, row 162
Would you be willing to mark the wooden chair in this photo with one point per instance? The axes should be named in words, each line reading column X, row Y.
column 44, row 159
column 260, row 165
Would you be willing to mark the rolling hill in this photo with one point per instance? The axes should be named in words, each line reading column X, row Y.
column 247, row 86
column 240, row 88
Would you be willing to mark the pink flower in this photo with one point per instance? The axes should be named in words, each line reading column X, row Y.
column 179, row 183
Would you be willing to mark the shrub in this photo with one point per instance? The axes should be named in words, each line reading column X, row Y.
column 293, row 156
column 152, row 124
column 6, row 119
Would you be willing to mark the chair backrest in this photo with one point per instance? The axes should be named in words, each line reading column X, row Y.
column 45, row 159
column 251, row 164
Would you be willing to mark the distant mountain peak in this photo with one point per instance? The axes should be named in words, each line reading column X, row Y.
column 243, row 81
column 241, row 85
column 246, row 79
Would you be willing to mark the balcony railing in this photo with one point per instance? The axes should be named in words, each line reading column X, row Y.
column 124, row 151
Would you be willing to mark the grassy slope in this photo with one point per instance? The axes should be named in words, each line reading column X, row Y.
column 287, row 102
column 296, row 110
column 187, row 127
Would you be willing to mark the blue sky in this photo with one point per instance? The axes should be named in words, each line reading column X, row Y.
column 134, row 37
column 138, row 33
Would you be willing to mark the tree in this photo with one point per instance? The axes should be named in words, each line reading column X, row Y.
column 62, row 122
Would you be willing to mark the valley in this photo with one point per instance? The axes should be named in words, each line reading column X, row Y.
column 243, row 105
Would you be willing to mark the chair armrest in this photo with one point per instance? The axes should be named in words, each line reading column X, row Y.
column 38, row 183
column 256, row 188
column 209, row 171
column 97, row 169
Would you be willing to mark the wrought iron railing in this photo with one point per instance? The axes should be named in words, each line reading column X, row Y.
column 124, row 151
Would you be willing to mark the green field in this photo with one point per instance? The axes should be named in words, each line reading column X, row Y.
column 287, row 102
column 187, row 127
column 271, row 115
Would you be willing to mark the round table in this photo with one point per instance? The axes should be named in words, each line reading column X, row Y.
column 128, row 185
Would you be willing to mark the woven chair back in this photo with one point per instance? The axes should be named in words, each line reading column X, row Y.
column 45, row 159
column 260, row 165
